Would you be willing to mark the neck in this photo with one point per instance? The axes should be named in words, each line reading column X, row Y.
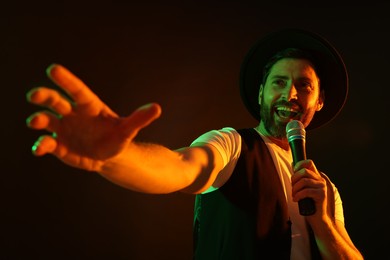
column 281, row 142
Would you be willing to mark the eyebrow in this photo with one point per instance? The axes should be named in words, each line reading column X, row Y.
column 279, row 77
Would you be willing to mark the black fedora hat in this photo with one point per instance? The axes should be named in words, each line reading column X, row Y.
column 329, row 64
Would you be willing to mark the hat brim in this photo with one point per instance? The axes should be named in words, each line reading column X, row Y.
column 329, row 64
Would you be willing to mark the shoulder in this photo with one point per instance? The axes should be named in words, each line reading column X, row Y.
column 225, row 134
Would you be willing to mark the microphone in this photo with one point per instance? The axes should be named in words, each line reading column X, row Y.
column 296, row 136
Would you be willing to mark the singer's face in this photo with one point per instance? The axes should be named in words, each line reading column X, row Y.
column 291, row 92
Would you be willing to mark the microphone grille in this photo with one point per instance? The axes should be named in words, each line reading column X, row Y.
column 295, row 130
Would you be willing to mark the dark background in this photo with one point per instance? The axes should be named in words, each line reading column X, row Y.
column 185, row 56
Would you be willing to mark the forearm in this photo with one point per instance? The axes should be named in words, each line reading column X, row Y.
column 149, row 168
column 334, row 243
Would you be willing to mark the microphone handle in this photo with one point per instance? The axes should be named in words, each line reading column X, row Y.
column 306, row 205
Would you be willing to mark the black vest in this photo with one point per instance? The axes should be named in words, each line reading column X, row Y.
column 247, row 218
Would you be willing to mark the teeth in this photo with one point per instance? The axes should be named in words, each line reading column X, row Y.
column 286, row 112
column 287, row 109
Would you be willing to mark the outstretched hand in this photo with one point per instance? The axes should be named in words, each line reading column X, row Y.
column 85, row 131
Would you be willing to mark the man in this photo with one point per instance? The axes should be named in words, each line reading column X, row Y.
column 246, row 184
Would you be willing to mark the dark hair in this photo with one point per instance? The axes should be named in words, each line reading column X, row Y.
column 294, row 53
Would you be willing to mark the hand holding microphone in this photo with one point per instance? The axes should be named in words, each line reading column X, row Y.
column 296, row 136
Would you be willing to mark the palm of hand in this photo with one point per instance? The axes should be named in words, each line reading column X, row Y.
column 86, row 133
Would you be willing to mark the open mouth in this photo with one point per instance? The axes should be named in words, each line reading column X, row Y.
column 286, row 112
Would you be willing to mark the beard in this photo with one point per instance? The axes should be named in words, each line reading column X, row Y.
column 275, row 129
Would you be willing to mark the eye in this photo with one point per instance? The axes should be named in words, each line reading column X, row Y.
column 279, row 82
column 304, row 85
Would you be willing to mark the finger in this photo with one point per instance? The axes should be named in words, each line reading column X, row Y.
column 306, row 193
column 43, row 120
column 306, row 185
column 303, row 175
column 141, row 118
column 45, row 144
column 308, row 164
column 49, row 98
column 71, row 84
column 303, row 183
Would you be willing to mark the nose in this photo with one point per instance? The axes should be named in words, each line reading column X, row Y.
column 290, row 92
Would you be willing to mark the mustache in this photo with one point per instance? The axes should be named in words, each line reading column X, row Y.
column 290, row 104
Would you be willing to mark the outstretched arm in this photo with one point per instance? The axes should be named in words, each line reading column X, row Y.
column 87, row 134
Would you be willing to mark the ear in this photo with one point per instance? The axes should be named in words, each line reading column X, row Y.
column 321, row 100
column 260, row 94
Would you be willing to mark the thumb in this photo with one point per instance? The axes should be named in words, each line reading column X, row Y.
column 141, row 118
